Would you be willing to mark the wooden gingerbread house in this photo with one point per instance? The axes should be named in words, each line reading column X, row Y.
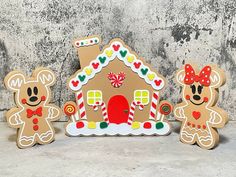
column 117, row 93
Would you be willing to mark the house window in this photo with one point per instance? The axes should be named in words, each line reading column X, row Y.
column 142, row 96
column 94, row 96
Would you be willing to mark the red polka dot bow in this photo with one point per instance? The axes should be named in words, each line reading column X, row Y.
column 116, row 80
column 203, row 78
column 37, row 112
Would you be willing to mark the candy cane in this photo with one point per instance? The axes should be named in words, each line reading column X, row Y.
column 104, row 110
column 80, row 103
column 153, row 109
column 131, row 110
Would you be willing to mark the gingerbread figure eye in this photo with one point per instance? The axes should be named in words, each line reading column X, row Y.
column 35, row 90
column 29, row 91
column 193, row 89
column 199, row 89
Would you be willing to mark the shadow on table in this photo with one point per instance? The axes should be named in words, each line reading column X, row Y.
column 224, row 139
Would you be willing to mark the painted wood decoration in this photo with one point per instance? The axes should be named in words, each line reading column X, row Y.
column 198, row 112
column 33, row 115
column 116, row 93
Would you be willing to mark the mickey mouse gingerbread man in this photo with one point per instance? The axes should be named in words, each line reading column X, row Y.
column 198, row 112
column 33, row 114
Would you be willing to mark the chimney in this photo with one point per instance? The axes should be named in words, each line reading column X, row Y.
column 88, row 49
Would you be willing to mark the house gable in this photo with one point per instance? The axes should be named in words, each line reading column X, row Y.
column 116, row 50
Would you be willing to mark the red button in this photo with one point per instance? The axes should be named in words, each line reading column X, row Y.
column 199, row 126
column 204, row 126
column 79, row 125
column 35, row 120
column 35, row 127
column 147, row 125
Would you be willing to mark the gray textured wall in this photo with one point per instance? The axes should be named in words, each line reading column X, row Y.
column 165, row 32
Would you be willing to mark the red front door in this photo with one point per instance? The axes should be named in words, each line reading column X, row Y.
column 118, row 109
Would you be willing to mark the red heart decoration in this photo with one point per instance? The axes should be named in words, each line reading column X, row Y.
column 137, row 64
column 116, row 47
column 95, row 65
column 196, row 115
column 158, row 82
column 75, row 83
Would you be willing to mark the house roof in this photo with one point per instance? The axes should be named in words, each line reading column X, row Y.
column 116, row 50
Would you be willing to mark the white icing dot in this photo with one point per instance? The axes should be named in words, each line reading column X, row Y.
column 186, row 79
column 191, row 71
column 206, row 76
column 208, row 69
column 203, row 72
column 207, row 81
column 187, row 66
column 191, row 78
column 202, row 80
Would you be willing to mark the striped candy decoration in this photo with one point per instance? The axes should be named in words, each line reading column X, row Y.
column 104, row 110
column 116, row 80
column 153, row 109
column 80, row 103
column 131, row 110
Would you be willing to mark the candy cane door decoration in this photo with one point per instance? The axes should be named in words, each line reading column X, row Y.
column 118, row 109
column 119, row 92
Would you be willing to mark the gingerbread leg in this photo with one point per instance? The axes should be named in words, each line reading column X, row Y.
column 206, row 140
column 187, row 135
column 46, row 137
column 25, row 141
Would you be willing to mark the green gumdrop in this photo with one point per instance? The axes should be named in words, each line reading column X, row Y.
column 159, row 125
column 103, row 125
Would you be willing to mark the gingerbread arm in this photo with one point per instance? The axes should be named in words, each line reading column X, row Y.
column 13, row 118
column 218, row 118
column 53, row 113
column 179, row 113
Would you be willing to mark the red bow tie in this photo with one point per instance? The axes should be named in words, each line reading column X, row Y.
column 203, row 78
column 37, row 112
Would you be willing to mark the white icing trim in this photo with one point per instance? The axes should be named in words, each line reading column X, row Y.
column 87, row 42
column 83, row 78
column 116, row 129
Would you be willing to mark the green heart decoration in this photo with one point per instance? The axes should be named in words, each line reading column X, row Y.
column 123, row 53
column 102, row 59
column 144, row 71
column 81, row 78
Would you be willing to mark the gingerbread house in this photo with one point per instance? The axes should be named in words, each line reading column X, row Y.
column 116, row 93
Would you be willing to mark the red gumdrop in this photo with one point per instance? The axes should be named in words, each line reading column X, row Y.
column 147, row 125
column 79, row 125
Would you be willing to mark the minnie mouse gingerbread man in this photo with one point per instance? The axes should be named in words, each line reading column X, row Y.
column 198, row 112
column 33, row 114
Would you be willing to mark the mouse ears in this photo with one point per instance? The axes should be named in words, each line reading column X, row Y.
column 14, row 80
column 45, row 76
column 216, row 75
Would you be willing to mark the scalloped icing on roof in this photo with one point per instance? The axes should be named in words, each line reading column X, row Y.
column 115, row 50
